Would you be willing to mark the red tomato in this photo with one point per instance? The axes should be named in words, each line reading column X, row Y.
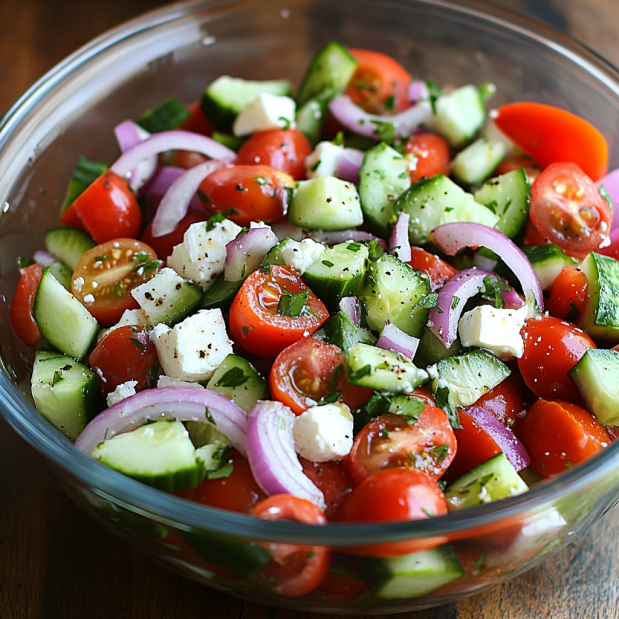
column 303, row 372
column 197, row 121
column 550, row 134
column 295, row 570
column 255, row 321
column 421, row 393
column 503, row 402
column 436, row 269
column 551, row 349
column 107, row 210
column 567, row 208
column 532, row 236
column 164, row 245
column 21, row 307
column 400, row 493
column 559, row 435
column 568, row 296
column 106, row 274
column 284, row 150
column 339, row 588
column 515, row 162
column 333, row 480
column 390, row 441
column 185, row 159
column 125, row 353
column 238, row 492
column 431, row 153
column 246, row 193
column 380, row 84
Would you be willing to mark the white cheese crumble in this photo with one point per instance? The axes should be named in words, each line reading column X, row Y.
column 124, row 390
column 168, row 381
column 323, row 160
column 266, row 111
column 301, row 255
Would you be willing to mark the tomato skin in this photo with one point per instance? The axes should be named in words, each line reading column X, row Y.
column 390, row 441
column 296, row 570
column 503, row 402
column 400, row 493
column 551, row 348
column 105, row 275
column 125, row 353
column 339, row 588
column 431, row 153
column 305, row 370
column 107, row 209
column 532, row 236
column 254, row 320
column 238, row 492
column 22, row 319
column 568, row 295
column 246, row 193
column 567, row 208
column 163, row 245
column 549, row 134
column 436, row 269
column 333, row 480
column 559, row 435
column 197, row 121
column 282, row 149
column 515, row 162
column 378, row 78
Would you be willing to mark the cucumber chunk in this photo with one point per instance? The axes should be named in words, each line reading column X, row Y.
column 325, row 203
column 492, row 480
column 65, row 392
column 477, row 161
column 63, row 321
column 437, row 201
column 169, row 115
column 547, row 262
column 62, row 273
column 432, row 350
column 597, row 377
column 383, row 177
column 220, row 294
column 69, row 244
column 460, row 114
column 311, row 115
column 159, row 454
column 340, row 331
column 86, row 172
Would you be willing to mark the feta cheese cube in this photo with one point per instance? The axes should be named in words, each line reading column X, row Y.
column 496, row 330
column 301, row 255
column 202, row 254
column 121, row 392
column 266, row 111
column 130, row 317
column 323, row 160
column 168, row 381
column 193, row 349
column 324, row 433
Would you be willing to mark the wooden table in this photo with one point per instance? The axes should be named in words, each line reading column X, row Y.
column 56, row 563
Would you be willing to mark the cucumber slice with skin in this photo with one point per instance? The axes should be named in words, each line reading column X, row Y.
column 460, row 114
column 62, row 320
column 432, row 350
column 220, row 294
column 169, row 115
column 159, row 454
column 325, row 203
column 69, row 244
column 62, row 273
column 477, row 161
column 383, row 177
column 311, row 114
column 547, row 262
column 492, row 480
column 65, row 392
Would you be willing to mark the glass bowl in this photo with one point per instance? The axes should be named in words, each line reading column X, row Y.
column 176, row 51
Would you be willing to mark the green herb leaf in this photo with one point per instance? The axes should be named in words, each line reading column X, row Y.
column 405, row 406
column 315, row 165
column 353, row 246
column 440, row 452
column 478, row 564
column 261, row 180
column 294, row 304
column 57, row 377
column 223, row 472
column 338, row 140
column 604, row 194
column 330, row 398
column 119, row 289
column 444, row 400
column 153, row 376
column 328, row 263
column 335, row 377
column 234, row 377
column 285, row 122
column 434, row 93
column 215, row 219
column 137, row 343
column 385, row 131
column 140, row 256
column 353, row 377
column 22, row 262
column 389, row 104
column 101, row 258
column 209, row 416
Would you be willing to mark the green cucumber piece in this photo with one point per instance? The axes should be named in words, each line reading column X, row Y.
column 476, row 162
column 547, row 262
column 325, row 203
column 220, row 294
column 340, row 331
column 311, row 114
column 169, row 115
column 86, row 172
column 159, row 454
column 65, row 392
column 69, row 244
column 383, row 177
column 432, row 350
column 62, row 320
column 62, row 273
column 460, row 114
column 492, row 480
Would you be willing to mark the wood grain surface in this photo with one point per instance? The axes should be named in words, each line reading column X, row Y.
column 56, row 563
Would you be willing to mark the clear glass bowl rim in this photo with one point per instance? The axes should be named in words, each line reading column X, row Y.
column 186, row 515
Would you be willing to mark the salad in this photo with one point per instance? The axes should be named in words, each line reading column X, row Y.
column 373, row 301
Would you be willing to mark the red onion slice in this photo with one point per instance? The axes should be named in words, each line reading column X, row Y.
column 511, row 299
column 362, row 123
column 245, row 253
column 128, row 134
column 454, row 236
column 349, row 164
column 44, row 258
column 271, row 453
column 512, row 448
column 171, row 140
column 351, row 306
column 180, row 403
column 393, row 338
column 399, row 238
column 162, row 181
column 611, row 184
column 418, row 91
column 452, row 297
column 286, row 230
column 175, row 203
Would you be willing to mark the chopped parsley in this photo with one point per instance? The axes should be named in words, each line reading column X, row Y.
column 223, row 472
column 137, row 342
column 234, row 377
column 293, row 304
column 330, row 398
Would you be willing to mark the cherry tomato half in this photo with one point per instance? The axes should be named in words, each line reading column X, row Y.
column 21, row 306
column 436, row 269
column 551, row 349
column 429, row 445
column 282, row 149
column 260, row 323
column 305, row 371
column 431, row 155
column 246, row 193
column 295, row 570
column 568, row 296
column 559, row 435
column 567, row 208
column 105, row 275
column 125, row 353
